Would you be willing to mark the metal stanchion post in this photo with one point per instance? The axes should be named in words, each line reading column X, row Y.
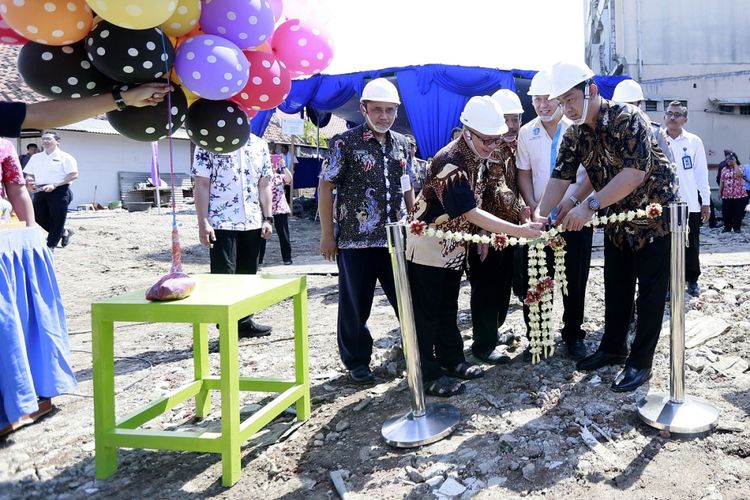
column 423, row 424
column 677, row 412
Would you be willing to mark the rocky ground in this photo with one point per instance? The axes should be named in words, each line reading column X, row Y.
column 526, row 431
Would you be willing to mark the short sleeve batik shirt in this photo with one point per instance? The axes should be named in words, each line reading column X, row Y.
column 367, row 175
column 621, row 139
column 453, row 187
column 234, row 198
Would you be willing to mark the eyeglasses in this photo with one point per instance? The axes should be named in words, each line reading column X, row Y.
column 674, row 114
column 485, row 140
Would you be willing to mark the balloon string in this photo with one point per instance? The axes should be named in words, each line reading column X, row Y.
column 169, row 129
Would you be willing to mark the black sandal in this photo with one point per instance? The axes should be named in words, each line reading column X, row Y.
column 444, row 387
column 465, row 371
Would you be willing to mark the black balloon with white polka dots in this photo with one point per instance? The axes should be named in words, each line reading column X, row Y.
column 151, row 123
column 61, row 71
column 129, row 56
column 218, row 126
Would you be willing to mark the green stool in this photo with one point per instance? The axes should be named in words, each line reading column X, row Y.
column 218, row 298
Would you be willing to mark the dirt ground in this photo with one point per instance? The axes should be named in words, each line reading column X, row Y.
column 521, row 425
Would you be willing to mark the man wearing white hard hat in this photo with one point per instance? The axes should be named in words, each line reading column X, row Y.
column 450, row 201
column 538, row 144
column 370, row 167
column 491, row 271
column 628, row 171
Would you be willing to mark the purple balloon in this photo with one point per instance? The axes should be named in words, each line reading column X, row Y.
column 211, row 67
column 248, row 23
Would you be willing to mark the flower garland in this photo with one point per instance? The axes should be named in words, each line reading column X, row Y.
column 541, row 286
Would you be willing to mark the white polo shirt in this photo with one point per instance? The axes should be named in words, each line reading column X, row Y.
column 51, row 168
column 692, row 169
column 535, row 153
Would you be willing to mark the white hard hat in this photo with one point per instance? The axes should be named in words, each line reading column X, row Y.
column 483, row 114
column 628, row 91
column 380, row 90
column 509, row 101
column 541, row 84
column 566, row 75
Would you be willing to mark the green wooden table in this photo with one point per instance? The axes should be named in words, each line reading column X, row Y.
column 221, row 299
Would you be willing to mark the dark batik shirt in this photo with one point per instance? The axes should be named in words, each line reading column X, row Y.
column 367, row 175
column 453, row 186
column 501, row 196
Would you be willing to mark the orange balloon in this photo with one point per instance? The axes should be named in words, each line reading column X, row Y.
column 49, row 22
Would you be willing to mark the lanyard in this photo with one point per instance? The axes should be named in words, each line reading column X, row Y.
column 553, row 159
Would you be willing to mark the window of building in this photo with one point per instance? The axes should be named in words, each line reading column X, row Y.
column 726, row 109
column 745, row 110
column 652, row 105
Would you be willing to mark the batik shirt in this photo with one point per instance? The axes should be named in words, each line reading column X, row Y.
column 367, row 175
column 501, row 196
column 233, row 196
column 280, row 205
column 10, row 166
column 453, row 187
column 621, row 139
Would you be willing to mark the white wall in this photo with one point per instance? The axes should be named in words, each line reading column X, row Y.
column 100, row 157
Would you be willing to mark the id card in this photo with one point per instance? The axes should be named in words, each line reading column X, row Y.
column 405, row 183
column 687, row 163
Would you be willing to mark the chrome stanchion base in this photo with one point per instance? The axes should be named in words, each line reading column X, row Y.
column 408, row 431
column 692, row 416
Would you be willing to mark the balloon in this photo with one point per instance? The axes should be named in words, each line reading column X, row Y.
column 149, row 123
column 218, row 126
column 302, row 48
column 53, row 22
column 129, row 56
column 61, row 71
column 277, row 7
column 185, row 18
column 246, row 23
column 268, row 84
column 134, row 14
column 311, row 11
column 9, row 36
column 211, row 66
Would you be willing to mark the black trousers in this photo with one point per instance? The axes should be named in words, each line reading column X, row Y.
column 359, row 270
column 692, row 252
column 649, row 267
column 577, row 266
column 281, row 224
column 491, row 283
column 51, row 212
column 732, row 209
column 434, row 295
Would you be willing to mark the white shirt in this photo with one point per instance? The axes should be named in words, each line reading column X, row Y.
column 233, row 194
column 51, row 168
column 692, row 170
column 535, row 153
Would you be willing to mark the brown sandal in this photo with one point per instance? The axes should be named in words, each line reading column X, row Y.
column 465, row 371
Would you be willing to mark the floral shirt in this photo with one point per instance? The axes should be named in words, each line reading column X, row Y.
column 233, row 199
column 280, row 205
column 453, row 187
column 621, row 139
column 367, row 176
column 501, row 196
column 10, row 165
column 734, row 186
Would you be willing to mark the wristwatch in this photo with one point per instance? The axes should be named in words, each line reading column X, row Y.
column 117, row 96
column 268, row 219
column 574, row 200
column 594, row 204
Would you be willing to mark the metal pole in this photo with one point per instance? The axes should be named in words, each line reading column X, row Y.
column 424, row 424
column 675, row 411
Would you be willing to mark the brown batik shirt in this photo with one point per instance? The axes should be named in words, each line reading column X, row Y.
column 621, row 139
column 501, row 196
column 453, row 186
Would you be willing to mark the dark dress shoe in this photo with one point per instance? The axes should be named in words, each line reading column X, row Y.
column 362, row 375
column 630, row 379
column 250, row 329
column 288, row 262
column 599, row 359
column 493, row 357
column 576, row 349
column 693, row 289
column 65, row 241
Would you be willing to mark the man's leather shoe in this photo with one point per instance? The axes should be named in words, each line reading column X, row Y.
column 526, row 356
column 630, row 379
column 576, row 349
column 493, row 357
column 599, row 359
column 693, row 289
column 362, row 375
column 252, row 329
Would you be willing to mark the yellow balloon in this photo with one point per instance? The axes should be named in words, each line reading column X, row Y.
column 184, row 19
column 134, row 14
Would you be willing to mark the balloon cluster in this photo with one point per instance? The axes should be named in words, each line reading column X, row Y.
column 227, row 59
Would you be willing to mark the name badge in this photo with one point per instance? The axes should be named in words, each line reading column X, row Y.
column 687, row 163
column 405, row 183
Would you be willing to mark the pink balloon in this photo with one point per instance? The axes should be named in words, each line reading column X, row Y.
column 9, row 36
column 268, row 84
column 301, row 48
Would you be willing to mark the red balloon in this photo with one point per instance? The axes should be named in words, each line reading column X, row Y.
column 9, row 36
column 268, row 84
